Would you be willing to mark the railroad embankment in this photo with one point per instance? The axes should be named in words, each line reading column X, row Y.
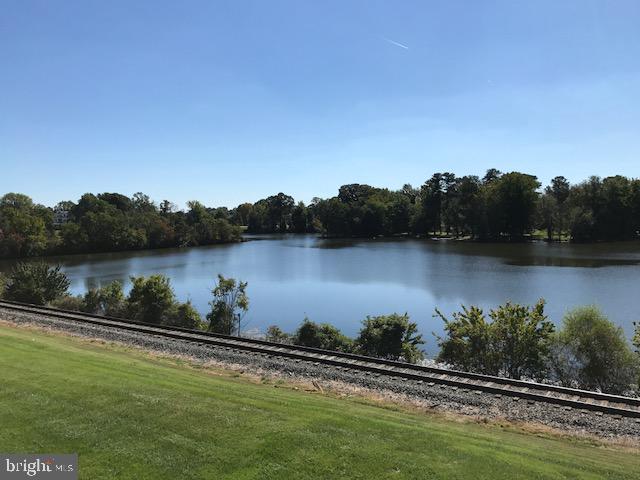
column 478, row 399
column 131, row 414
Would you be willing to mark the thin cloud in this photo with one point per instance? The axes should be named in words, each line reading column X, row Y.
column 393, row 42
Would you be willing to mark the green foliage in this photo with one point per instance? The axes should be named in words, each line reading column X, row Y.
column 521, row 335
column 606, row 209
column 36, row 283
column 68, row 302
column 497, row 207
column 150, row 299
column 229, row 305
column 325, row 336
column 107, row 222
column 185, row 316
column 23, row 226
column 468, row 341
column 107, row 300
column 275, row 334
column 393, row 337
column 514, row 344
column 590, row 352
column 277, row 213
column 512, row 202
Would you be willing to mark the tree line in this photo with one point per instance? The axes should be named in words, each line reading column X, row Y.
column 516, row 341
column 497, row 207
column 106, row 222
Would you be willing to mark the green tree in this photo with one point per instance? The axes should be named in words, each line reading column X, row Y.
column 392, row 337
column 68, row 302
column 548, row 209
column 521, row 335
column 514, row 344
column 470, row 205
column 241, row 214
column 431, row 197
column 335, row 217
column 185, row 316
column 300, row 218
column 400, row 211
column 324, row 335
column 121, row 202
column 279, row 209
column 150, row 299
column 275, row 334
column 590, row 352
column 467, row 345
column 229, row 306
column 513, row 198
column 107, row 300
column 560, row 190
column 25, row 228
column 35, row 283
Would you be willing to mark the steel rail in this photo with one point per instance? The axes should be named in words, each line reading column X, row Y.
column 516, row 389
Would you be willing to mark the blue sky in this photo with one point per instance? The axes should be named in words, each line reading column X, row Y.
column 231, row 101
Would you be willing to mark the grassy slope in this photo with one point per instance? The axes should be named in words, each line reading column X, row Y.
column 132, row 416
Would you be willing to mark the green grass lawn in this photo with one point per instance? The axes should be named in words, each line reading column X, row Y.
column 130, row 415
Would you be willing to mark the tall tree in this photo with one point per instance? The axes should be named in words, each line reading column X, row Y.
column 229, row 306
column 513, row 200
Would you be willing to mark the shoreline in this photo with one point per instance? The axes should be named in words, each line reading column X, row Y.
column 247, row 237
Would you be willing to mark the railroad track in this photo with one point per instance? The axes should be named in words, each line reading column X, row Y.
column 482, row 384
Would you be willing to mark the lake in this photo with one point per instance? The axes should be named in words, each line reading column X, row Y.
column 342, row 281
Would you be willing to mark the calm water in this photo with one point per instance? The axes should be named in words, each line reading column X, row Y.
column 341, row 281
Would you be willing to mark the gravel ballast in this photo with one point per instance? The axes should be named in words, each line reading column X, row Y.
column 434, row 396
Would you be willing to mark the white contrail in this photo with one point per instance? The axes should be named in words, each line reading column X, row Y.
column 393, row 42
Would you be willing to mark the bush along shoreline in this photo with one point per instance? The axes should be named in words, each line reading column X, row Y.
column 586, row 351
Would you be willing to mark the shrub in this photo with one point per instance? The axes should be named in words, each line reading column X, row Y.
column 150, row 299
column 36, row 283
column 68, row 302
column 591, row 352
column 107, row 300
column 275, row 334
column 514, row 344
column 393, row 337
column 325, row 336
column 185, row 316
column 468, row 342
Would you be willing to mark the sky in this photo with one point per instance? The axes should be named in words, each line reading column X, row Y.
column 232, row 101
